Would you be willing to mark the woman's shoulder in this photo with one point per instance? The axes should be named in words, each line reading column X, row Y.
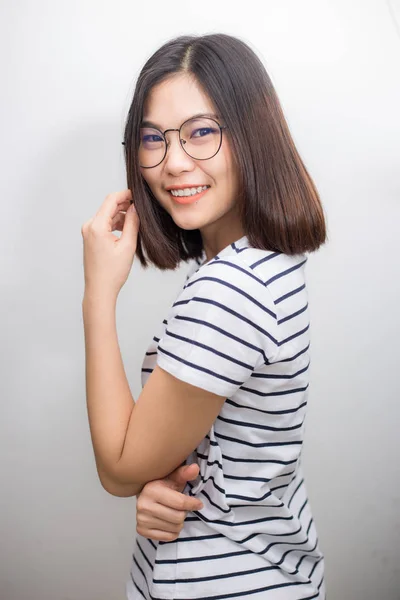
column 243, row 264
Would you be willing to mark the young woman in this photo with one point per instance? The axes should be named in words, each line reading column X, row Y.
column 214, row 176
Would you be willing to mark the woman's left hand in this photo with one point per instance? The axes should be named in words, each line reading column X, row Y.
column 107, row 258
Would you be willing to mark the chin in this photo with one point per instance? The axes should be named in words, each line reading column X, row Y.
column 189, row 226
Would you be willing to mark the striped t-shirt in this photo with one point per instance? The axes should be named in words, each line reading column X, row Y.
column 240, row 328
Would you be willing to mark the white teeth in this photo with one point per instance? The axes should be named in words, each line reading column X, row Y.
column 189, row 191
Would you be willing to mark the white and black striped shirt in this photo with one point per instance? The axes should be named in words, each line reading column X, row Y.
column 240, row 328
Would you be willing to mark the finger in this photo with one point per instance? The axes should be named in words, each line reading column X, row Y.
column 131, row 225
column 156, row 534
column 163, row 513
column 113, row 210
column 118, row 222
column 176, row 500
column 172, row 515
column 183, row 474
column 149, row 521
column 112, row 205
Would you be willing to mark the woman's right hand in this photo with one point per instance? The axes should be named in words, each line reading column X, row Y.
column 161, row 508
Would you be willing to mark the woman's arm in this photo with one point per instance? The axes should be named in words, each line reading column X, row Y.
column 109, row 400
column 121, row 490
column 137, row 442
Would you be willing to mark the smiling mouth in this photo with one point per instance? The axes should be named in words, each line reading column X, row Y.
column 189, row 191
column 191, row 198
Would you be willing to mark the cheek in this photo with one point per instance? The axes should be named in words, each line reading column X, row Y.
column 226, row 167
column 228, row 176
column 148, row 177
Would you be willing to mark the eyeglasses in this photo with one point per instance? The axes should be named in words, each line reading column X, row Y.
column 200, row 137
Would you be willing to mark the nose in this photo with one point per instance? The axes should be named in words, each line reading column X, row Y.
column 176, row 159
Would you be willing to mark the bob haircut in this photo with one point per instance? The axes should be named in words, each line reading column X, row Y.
column 278, row 203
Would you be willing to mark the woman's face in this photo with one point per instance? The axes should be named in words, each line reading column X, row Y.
column 168, row 105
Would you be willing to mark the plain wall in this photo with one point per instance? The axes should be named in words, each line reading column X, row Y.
column 68, row 70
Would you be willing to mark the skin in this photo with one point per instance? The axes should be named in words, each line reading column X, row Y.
column 161, row 508
column 169, row 104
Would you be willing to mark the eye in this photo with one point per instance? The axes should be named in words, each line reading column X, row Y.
column 152, row 138
column 203, row 131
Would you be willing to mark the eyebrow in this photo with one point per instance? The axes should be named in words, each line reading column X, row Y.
column 196, row 116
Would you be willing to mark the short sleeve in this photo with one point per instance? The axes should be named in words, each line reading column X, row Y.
column 220, row 329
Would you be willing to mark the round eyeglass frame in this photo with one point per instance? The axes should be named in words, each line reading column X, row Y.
column 221, row 127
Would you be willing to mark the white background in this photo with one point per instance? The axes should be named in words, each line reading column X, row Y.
column 68, row 70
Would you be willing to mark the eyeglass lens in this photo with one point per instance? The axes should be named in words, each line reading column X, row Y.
column 200, row 138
